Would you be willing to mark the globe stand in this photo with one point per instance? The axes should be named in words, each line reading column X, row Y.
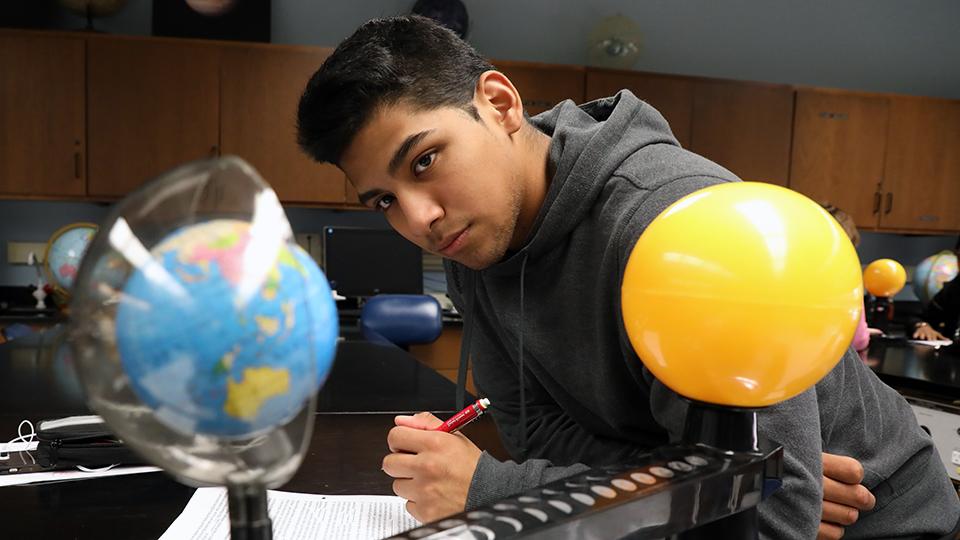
column 880, row 313
column 249, row 519
column 730, row 430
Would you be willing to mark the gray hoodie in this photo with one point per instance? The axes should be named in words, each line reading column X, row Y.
column 544, row 330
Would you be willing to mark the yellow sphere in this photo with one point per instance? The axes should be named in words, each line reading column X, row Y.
column 742, row 294
column 884, row 277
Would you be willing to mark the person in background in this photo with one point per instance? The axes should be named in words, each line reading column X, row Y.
column 861, row 339
column 941, row 317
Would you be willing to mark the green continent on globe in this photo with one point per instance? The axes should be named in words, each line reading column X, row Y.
column 219, row 340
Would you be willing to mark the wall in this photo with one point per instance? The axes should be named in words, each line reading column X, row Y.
column 35, row 221
column 876, row 45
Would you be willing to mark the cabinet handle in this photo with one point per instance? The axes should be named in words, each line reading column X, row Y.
column 876, row 202
column 889, row 205
column 76, row 165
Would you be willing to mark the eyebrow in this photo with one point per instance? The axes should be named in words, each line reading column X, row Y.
column 401, row 154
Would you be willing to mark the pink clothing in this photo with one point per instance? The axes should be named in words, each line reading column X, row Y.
column 861, row 339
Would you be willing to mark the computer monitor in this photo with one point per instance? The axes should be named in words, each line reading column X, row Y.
column 363, row 262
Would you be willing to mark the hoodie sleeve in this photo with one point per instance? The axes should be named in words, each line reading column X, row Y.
column 793, row 511
column 557, row 446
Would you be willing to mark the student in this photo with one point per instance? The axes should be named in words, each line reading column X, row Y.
column 536, row 218
column 861, row 339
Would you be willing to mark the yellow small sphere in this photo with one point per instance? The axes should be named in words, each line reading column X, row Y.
column 884, row 277
column 742, row 294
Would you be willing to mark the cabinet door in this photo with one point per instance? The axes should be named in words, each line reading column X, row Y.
column 922, row 177
column 838, row 151
column 259, row 93
column 745, row 127
column 542, row 86
column 151, row 105
column 41, row 115
column 672, row 96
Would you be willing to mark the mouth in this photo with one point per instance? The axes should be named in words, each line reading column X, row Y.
column 453, row 243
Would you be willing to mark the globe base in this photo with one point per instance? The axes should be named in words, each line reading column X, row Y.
column 249, row 519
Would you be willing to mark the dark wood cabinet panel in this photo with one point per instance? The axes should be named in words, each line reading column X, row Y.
column 42, row 124
column 922, row 174
column 259, row 91
column 151, row 105
column 542, row 86
column 746, row 127
column 671, row 95
column 839, row 141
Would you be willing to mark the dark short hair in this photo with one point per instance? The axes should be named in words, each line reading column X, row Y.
column 410, row 59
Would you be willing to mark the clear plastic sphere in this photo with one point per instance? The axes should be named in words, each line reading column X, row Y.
column 201, row 331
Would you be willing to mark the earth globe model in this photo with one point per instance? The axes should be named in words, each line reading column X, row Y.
column 932, row 273
column 206, row 331
column 64, row 251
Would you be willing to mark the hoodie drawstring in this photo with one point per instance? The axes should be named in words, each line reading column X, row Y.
column 520, row 378
column 465, row 346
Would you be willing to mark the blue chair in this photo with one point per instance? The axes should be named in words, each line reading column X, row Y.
column 401, row 319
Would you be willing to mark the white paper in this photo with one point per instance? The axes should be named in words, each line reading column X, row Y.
column 61, row 476
column 6, row 448
column 297, row 516
column 930, row 342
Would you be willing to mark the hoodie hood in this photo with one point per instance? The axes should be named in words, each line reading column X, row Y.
column 588, row 143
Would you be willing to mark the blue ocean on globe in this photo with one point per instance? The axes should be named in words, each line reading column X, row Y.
column 218, row 341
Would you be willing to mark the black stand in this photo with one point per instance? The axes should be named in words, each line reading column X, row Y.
column 880, row 313
column 730, row 430
column 249, row 519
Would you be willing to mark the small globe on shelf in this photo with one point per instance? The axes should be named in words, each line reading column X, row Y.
column 62, row 256
column 932, row 273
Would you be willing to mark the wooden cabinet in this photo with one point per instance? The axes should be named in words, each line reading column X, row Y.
column 542, row 86
column 745, row 127
column 922, row 173
column 839, row 141
column 443, row 355
column 671, row 95
column 42, row 141
column 151, row 105
column 260, row 89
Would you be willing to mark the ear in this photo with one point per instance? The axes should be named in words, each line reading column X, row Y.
column 496, row 96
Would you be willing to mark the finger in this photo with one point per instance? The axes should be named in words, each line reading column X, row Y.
column 423, row 420
column 413, row 441
column 405, row 488
column 829, row 531
column 855, row 496
column 842, row 468
column 414, row 511
column 839, row 514
column 400, row 465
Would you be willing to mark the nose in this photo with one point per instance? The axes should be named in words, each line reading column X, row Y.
column 421, row 211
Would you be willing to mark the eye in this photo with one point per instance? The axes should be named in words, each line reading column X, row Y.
column 423, row 162
column 383, row 203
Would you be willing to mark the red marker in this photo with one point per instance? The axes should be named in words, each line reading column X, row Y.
column 464, row 417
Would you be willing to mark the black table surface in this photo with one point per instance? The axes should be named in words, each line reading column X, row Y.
column 368, row 385
column 931, row 372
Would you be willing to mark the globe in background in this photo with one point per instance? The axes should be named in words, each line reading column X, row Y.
column 214, row 349
column 64, row 251
column 932, row 273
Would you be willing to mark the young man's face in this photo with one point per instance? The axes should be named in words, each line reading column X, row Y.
column 445, row 181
